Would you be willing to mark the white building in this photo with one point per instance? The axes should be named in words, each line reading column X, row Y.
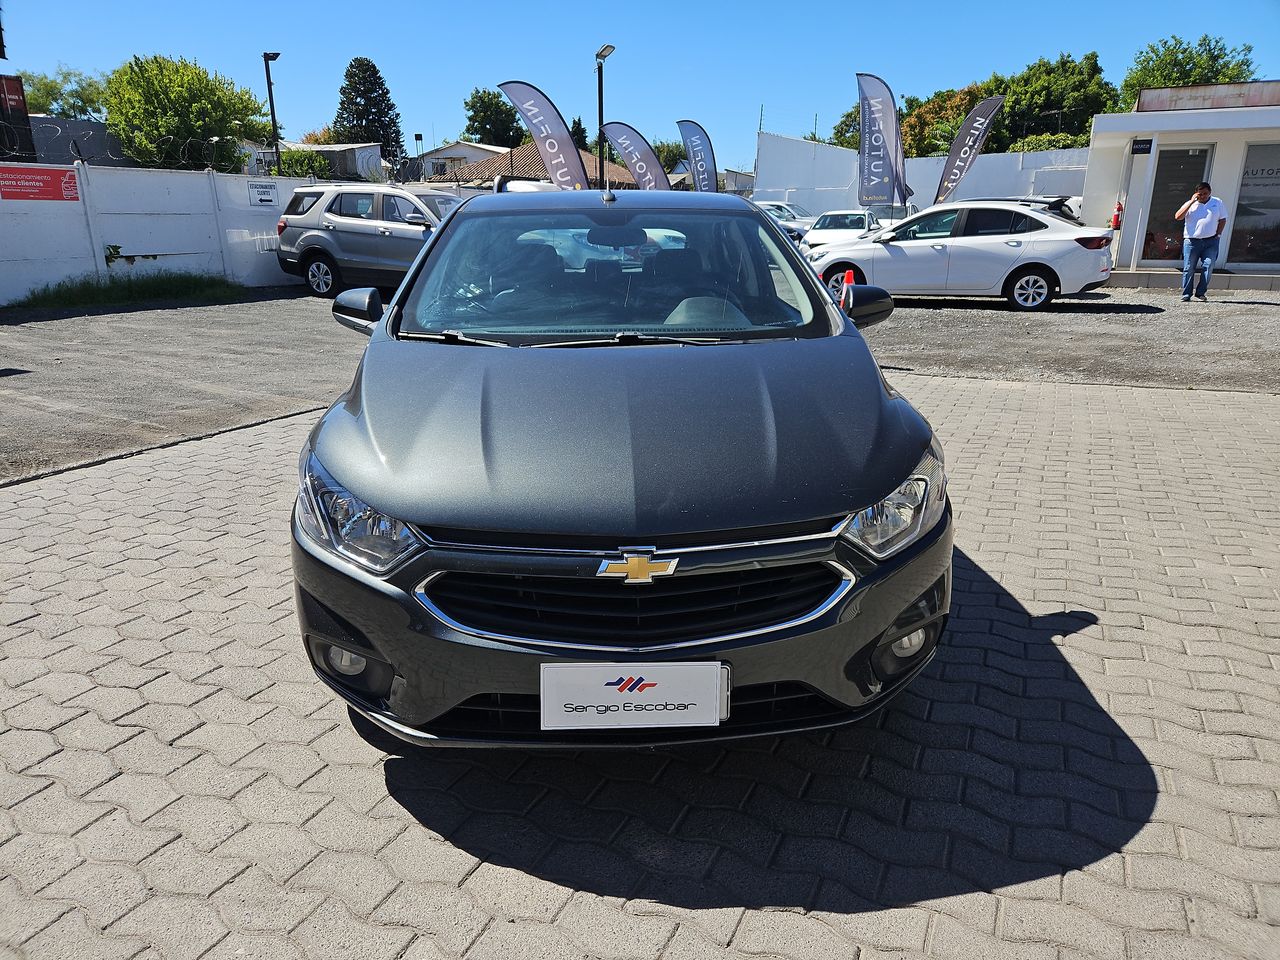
column 449, row 156
column 1151, row 159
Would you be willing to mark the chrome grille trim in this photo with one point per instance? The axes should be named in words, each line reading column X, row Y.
column 847, row 581
column 831, row 534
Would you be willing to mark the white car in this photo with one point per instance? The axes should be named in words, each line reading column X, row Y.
column 838, row 225
column 790, row 214
column 1019, row 251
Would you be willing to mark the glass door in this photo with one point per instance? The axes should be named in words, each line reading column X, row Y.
column 1178, row 170
column 1255, row 234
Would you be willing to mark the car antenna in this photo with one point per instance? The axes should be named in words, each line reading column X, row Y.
column 607, row 196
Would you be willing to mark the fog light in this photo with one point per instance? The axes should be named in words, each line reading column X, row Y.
column 345, row 662
column 909, row 645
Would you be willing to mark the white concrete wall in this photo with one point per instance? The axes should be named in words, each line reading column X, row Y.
column 822, row 177
column 200, row 222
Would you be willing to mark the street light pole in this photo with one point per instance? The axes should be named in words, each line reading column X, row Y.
column 601, row 55
column 267, row 59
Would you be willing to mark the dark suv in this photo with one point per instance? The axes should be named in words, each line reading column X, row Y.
column 662, row 496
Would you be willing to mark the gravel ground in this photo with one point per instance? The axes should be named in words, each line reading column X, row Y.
column 1124, row 336
column 79, row 388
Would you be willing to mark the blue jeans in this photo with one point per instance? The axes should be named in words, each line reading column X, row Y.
column 1197, row 251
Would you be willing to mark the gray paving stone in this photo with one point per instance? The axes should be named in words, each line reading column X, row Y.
column 1114, row 780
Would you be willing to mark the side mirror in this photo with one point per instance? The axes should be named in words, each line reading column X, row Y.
column 865, row 305
column 887, row 237
column 358, row 310
column 417, row 219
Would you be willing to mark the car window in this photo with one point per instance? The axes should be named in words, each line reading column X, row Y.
column 931, row 226
column 796, row 210
column 357, row 205
column 981, row 222
column 1022, row 223
column 302, row 202
column 538, row 277
column 396, row 209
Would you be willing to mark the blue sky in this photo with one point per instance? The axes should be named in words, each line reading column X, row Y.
column 794, row 60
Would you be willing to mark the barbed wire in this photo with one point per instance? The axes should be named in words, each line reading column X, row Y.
column 55, row 143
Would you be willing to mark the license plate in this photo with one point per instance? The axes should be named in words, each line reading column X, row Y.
column 623, row 696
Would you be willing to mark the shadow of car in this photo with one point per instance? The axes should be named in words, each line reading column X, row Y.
column 998, row 767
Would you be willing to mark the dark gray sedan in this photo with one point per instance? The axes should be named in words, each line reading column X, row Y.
column 663, row 496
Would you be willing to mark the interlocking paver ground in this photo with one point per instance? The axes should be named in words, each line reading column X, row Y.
column 1089, row 769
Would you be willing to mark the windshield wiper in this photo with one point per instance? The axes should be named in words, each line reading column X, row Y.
column 453, row 336
column 628, row 338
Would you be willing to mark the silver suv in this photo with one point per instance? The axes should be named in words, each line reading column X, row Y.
column 357, row 234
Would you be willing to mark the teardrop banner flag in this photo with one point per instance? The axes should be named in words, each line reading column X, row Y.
column 881, row 176
column 550, row 133
column 968, row 144
column 638, row 155
column 701, row 158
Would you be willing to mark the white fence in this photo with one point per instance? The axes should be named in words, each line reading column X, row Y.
column 821, row 177
column 134, row 221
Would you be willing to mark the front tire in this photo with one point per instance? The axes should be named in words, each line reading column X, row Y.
column 834, row 277
column 1031, row 289
column 322, row 276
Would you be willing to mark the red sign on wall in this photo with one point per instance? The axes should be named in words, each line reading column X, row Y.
column 34, row 183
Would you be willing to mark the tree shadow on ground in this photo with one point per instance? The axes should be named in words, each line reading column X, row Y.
column 997, row 767
column 1079, row 304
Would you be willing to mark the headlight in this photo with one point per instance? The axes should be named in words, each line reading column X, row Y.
column 816, row 254
column 906, row 514
column 339, row 520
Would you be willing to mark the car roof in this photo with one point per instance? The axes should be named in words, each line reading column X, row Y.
column 364, row 187
column 622, row 200
column 842, row 212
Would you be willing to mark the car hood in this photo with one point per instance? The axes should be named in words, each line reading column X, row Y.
column 631, row 441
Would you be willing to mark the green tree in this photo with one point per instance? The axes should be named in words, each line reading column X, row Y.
column 177, row 115
column 1049, row 141
column 67, row 93
column 1177, row 63
column 320, row 137
column 930, row 125
column 1050, row 96
column 304, row 163
column 366, row 112
column 579, row 134
column 846, row 132
column 670, row 153
column 491, row 119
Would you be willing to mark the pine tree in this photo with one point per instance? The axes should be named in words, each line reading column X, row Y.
column 579, row 133
column 366, row 112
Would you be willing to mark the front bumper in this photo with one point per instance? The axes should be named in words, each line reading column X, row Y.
column 433, row 683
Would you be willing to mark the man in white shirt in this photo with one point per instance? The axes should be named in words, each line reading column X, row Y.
column 1204, row 218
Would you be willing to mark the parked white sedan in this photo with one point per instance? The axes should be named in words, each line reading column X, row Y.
column 1019, row 251
column 838, row 225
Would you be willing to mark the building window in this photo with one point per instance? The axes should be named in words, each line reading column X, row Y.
column 1255, row 234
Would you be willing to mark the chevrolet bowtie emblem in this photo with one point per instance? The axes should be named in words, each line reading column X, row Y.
column 637, row 568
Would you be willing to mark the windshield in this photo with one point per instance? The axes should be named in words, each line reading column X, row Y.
column 797, row 210
column 841, row 221
column 537, row 277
